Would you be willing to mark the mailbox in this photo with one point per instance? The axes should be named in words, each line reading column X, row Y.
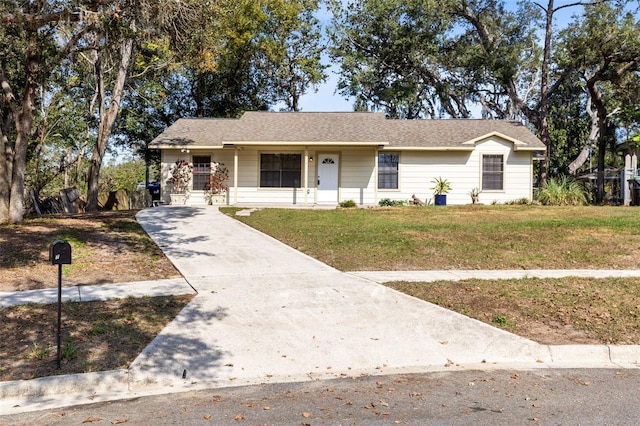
column 60, row 253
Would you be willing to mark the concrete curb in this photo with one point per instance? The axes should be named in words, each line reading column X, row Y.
column 87, row 383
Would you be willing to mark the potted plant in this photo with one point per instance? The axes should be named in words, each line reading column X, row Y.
column 441, row 187
column 474, row 193
column 217, row 188
column 179, row 178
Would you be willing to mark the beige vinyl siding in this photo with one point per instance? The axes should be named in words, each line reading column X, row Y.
column 357, row 176
column 418, row 169
column 249, row 191
column 464, row 171
column 168, row 157
column 517, row 171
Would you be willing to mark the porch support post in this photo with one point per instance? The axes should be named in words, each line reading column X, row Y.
column 235, row 175
column 375, row 175
column 306, row 175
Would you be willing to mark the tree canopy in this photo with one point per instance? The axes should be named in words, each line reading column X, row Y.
column 78, row 78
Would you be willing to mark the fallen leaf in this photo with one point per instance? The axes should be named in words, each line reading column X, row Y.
column 238, row 417
column 444, row 343
column 91, row 420
column 306, row 415
column 207, row 416
column 266, row 408
column 118, row 422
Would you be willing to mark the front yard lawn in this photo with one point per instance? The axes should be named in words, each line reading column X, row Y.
column 552, row 311
column 464, row 237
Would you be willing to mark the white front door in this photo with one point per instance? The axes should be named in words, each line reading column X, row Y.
column 328, row 178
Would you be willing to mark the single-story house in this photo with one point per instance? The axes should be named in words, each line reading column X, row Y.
column 310, row 158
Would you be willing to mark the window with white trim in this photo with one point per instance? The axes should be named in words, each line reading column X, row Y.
column 492, row 172
column 201, row 172
column 280, row 170
column 388, row 170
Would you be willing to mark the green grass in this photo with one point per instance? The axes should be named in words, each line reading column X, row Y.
column 464, row 237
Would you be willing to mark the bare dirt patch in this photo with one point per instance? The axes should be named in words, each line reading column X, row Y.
column 95, row 336
column 108, row 247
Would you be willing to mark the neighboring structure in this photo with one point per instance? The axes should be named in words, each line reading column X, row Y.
column 312, row 158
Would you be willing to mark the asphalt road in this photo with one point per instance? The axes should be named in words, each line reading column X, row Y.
column 503, row 397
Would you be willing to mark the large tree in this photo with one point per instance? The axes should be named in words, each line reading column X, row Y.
column 30, row 47
column 602, row 49
column 425, row 58
column 38, row 36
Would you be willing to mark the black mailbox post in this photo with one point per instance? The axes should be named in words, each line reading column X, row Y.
column 60, row 254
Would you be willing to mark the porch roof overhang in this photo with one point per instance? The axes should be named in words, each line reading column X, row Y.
column 308, row 144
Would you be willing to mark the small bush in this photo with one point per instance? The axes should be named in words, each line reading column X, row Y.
column 519, row 202
column 38, row 352
column 387, row 202
column 562, row 192
column 69, row 351
column 347, row 204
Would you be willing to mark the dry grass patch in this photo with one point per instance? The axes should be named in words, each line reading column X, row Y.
column 107, row 247
column 550, row 311
column 96, row 336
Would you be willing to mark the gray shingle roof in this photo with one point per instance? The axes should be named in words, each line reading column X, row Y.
column 317, row 128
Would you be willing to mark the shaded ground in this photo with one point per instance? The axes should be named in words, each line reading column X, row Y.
column 96, row 336
column 107, row 247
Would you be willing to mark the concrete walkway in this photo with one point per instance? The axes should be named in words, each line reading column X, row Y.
column 267, row 313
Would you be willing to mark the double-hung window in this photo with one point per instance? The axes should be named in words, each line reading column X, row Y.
column 388, row 171
column 492, row 172
column 280, row 170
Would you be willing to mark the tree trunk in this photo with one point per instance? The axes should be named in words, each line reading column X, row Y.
column 604, row 132
column 107, row 118
column 544, row 93
column 591, row 140
column 23, row 118
column 5, row 177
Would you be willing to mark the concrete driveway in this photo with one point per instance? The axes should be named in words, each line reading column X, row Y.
column 266, row 312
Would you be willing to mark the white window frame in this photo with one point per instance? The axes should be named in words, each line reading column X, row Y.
column 483, row 173
column 397, row 172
